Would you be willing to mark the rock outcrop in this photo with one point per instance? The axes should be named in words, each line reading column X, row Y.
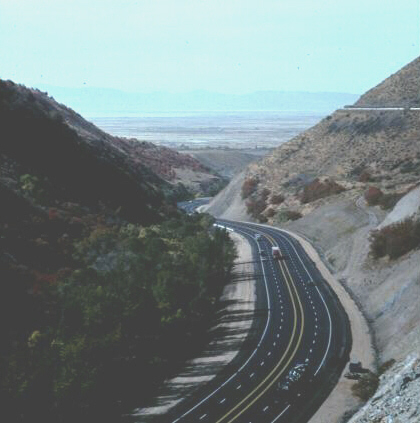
column 397, row 397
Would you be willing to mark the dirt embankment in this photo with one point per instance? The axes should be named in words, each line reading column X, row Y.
column 341, row 400
column 227, row 162
column 343, row 219
column 387, row 291
column 228, row 204
column 227, row 336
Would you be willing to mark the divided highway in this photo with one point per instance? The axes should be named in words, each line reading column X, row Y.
column 300, row 345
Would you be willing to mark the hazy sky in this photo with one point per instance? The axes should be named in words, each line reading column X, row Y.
column 232, row 46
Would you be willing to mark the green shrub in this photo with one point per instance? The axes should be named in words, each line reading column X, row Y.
column 386, row 366
column 286, row 215
column 119, row 323
column 366, row 386
column 33, row 187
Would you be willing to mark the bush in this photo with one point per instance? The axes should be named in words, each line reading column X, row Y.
column 395, row 240
column 285, row 215
column 118, row 324
column 365, row 176
column 375, row 197
column 257, row 203
column 255, row 206
column 33, row 187
column 366, row 386
column 386, row 366
column 318, row 189
column 276, row 199
column 248, row 187
column 388, row 201
column 270, row 212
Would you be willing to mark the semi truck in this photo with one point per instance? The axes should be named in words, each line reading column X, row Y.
column 276, row 253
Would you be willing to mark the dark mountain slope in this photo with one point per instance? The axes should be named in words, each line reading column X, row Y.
column 103, row 280
column 80, row 162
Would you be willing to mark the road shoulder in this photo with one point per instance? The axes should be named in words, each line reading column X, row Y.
column 232, row 327
column 341, row 400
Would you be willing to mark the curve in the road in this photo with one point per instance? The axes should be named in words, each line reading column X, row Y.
column 305, row 324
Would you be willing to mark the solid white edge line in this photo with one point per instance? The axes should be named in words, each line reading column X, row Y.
column 282, row 234
column 322, row 298
column 281, row 414
column 250, row 357
column 329, row 337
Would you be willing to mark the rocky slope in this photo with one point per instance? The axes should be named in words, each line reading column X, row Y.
column 397, row 397
column 400, row 89
column 355, row 149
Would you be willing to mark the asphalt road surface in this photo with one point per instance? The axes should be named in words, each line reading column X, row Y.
column 298, row 347
column 191, row 205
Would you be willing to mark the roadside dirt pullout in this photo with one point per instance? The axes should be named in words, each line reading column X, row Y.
column 234, row 321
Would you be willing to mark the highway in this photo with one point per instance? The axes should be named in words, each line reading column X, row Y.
column 349, row 108
column 299, row 347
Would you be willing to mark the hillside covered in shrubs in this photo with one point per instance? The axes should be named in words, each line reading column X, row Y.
column 93, row 339
column 104, row 281
column 348, row 153
column 185, row 174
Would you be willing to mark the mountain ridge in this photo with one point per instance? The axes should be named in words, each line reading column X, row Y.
column 400, row 89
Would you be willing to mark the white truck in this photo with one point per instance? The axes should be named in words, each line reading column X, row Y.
column 275, row 251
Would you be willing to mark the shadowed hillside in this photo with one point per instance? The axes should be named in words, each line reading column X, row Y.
column 104, row 281
column 77, row 160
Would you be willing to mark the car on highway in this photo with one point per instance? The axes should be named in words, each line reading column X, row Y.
column 295, row 374
column 263, row 255
column 258, row 237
